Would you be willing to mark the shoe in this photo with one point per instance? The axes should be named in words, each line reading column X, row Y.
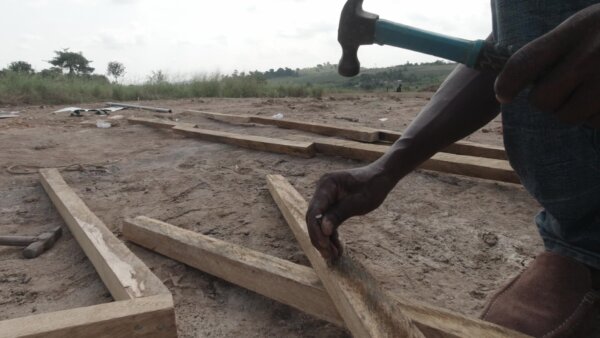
column 554, row 297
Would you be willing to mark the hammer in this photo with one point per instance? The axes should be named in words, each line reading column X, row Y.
column 358, row 27
column 34, row 245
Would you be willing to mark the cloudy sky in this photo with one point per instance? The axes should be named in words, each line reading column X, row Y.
column 187, row 37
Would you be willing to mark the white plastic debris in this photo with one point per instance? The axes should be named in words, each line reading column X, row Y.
column 383, row 119
column 103, row 124
column 70, row 110
column 278, row 116
column 8, row 115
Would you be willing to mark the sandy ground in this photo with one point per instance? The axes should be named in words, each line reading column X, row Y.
column 447, row 240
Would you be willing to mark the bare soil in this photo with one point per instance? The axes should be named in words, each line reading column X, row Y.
column 443, row 239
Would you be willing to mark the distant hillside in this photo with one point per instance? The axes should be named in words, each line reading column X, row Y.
column 425, row 76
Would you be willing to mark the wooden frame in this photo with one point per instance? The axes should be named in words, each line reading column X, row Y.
column 471, row 166
column 295, row 285
column 143, row 306
column 361, row 134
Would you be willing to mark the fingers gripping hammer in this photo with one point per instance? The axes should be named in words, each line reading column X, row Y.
column 358, row 27
column 34, row 245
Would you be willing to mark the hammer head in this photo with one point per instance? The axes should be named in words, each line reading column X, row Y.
column 42, row 243
column 356, row 28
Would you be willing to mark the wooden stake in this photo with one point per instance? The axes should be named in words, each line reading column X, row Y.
column 364, row 306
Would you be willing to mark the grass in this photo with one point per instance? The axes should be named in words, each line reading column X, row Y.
column 17, row 88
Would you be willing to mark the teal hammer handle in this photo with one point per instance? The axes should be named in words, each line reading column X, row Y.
column 459, row 50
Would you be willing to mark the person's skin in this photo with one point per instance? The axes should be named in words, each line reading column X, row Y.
column 564, row 68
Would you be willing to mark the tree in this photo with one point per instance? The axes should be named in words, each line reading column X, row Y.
column 115, row 69
column 76, row 63
column 52, row 72
column 21, row 67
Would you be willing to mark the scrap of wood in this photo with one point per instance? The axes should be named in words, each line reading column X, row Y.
column 125, row 275
column 285, row 282
column 479, row 167
column 459, row 148
column 126, row 105
column 296, row 148
column 366, row 309
column 143, row 317
column 289, row 283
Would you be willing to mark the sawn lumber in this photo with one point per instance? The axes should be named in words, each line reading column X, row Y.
column 289, row 283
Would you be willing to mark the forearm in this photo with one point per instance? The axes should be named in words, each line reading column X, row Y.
column 464, row 103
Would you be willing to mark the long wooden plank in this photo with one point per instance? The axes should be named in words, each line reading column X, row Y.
column 125, row 275
column 362, row 134
column 273, row 277
column 479, row 167
column 227, row 118
column 134, row 106
column 144, row 317
column 289, row 283
column 459, row 148
column 155, row 123
column 353, row 133
column 485, row 168
column 366, row 309
column 296, row 148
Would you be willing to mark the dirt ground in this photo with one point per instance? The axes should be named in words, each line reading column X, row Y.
column 443, row 239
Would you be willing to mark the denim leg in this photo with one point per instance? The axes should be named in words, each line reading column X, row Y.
column 559, row 165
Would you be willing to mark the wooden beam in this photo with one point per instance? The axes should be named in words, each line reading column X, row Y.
column 125, row 275
column 459, row 148
column 296, row 148
column 353, row 133
column 486, row 168
column 156, row 123
column 289, row 283
column 471, row 166
column 366, row 309
column 227, row 118
column 144, row 317
column 362, row 134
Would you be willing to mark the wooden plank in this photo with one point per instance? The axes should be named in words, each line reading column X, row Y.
column 361, row 134
column 144, row 317
column 125, row 105
column 366, row 309
column 228, row 118
column 125, row 275
column 460, row 148
column 296, row 148
column 486, row 168
column 288, row 283
column 155, row 123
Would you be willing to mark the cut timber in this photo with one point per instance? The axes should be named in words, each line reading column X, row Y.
column 362, row 134
column 352, row 133
column 459, row 148
column 296, row 148
column 156, row 123
column 143, row 317
column 227, row 118
column 125, row 275
column 491, row 169
column 289, row 283
column 285, row 282
column 125, row 105
column 366, row 309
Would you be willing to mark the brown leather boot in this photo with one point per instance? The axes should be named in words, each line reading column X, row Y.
column 552, row 298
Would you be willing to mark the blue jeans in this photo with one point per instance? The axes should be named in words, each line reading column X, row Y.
column 558, row 164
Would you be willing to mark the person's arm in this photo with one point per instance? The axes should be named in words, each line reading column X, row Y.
column 464, row 103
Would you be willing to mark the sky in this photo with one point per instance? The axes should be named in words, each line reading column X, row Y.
column 187, row 38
